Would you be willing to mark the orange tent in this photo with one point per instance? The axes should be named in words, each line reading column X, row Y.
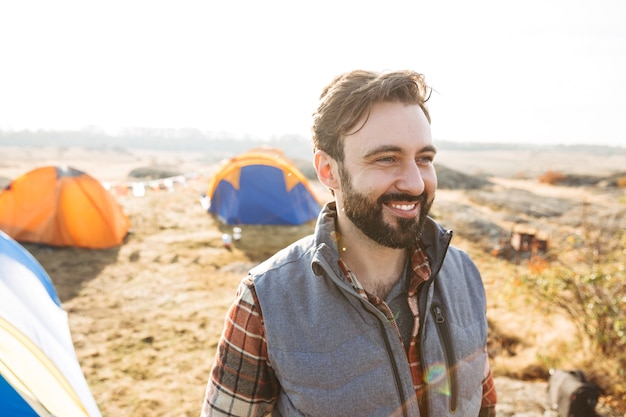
column 62, row 206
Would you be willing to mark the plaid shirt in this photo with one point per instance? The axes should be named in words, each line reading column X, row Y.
column 242, row 383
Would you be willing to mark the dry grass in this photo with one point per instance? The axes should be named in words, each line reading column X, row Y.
column 146, row 317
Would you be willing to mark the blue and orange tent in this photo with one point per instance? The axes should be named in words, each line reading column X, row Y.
column 39, row 371
column 261, row 186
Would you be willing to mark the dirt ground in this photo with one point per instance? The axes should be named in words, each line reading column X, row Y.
column 146, row 316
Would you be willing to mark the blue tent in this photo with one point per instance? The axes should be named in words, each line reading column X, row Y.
column 261, row 187
column 39, row 371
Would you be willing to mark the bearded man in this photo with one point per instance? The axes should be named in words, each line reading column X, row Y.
column 375, row 314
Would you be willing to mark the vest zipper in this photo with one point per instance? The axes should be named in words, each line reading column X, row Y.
column 423, row 300
column 381, row 319
column 444, row 333
column 394, row 365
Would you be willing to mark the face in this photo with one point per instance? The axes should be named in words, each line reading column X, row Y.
column 387, row 179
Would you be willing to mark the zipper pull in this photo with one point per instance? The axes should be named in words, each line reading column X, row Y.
column 439, row 318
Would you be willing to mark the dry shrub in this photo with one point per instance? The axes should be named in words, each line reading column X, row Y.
column 621, row 182
column 552, row 177
column 591, row 292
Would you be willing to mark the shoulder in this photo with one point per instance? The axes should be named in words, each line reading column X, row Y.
column 458, row 263
column 293, row 256
column 283, row 271
column 459, row 255
column 459, row 276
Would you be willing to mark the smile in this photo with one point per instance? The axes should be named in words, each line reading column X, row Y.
column 404, row 207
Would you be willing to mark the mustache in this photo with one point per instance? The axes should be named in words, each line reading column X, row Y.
column 386, row 198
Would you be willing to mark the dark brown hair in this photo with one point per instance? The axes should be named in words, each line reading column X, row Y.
column 350, row 96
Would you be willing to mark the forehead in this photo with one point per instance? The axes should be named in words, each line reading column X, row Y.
column 404, row 126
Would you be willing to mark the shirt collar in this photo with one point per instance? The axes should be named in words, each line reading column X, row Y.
column 419, row 265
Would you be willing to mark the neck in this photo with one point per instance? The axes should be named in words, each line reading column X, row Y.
column 376, row 267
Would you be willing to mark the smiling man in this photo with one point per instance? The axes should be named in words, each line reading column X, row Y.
column 375, row 314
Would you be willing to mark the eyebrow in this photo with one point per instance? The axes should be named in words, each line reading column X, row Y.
column 393, row 148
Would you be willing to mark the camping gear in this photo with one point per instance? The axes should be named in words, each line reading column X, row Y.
column 62, row 206
column 571, row 395
column 261, row 187
column 39, row 371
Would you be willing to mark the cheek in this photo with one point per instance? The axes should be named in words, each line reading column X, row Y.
column 372, row 185
column 430, row 180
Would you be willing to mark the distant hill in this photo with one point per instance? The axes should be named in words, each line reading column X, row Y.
column 226, row 144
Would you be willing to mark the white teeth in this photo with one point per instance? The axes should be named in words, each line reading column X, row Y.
column 403, row 206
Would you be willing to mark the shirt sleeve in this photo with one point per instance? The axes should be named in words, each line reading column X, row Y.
column 242, row 382
column 488, row 405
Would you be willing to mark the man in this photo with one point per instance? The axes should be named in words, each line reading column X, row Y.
column 374, row 314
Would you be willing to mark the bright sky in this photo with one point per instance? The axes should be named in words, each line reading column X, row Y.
column 528, row 71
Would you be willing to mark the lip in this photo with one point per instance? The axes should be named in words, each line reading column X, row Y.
column 401, row 209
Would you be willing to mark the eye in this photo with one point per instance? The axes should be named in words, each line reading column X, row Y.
column 425, row 160
column 387, row 159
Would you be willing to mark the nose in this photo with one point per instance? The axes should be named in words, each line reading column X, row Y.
column 411, row 180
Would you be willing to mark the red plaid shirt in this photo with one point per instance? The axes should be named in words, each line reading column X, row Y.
column 243, row 383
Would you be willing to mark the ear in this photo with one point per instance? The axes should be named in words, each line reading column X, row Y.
column 326, row 168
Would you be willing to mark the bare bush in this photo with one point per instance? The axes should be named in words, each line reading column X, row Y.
column 588, row 283
column 551, row 177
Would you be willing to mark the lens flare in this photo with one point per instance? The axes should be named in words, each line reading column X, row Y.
column 436, row 377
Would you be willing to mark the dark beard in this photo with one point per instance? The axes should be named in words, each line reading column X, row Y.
column 367, row 215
